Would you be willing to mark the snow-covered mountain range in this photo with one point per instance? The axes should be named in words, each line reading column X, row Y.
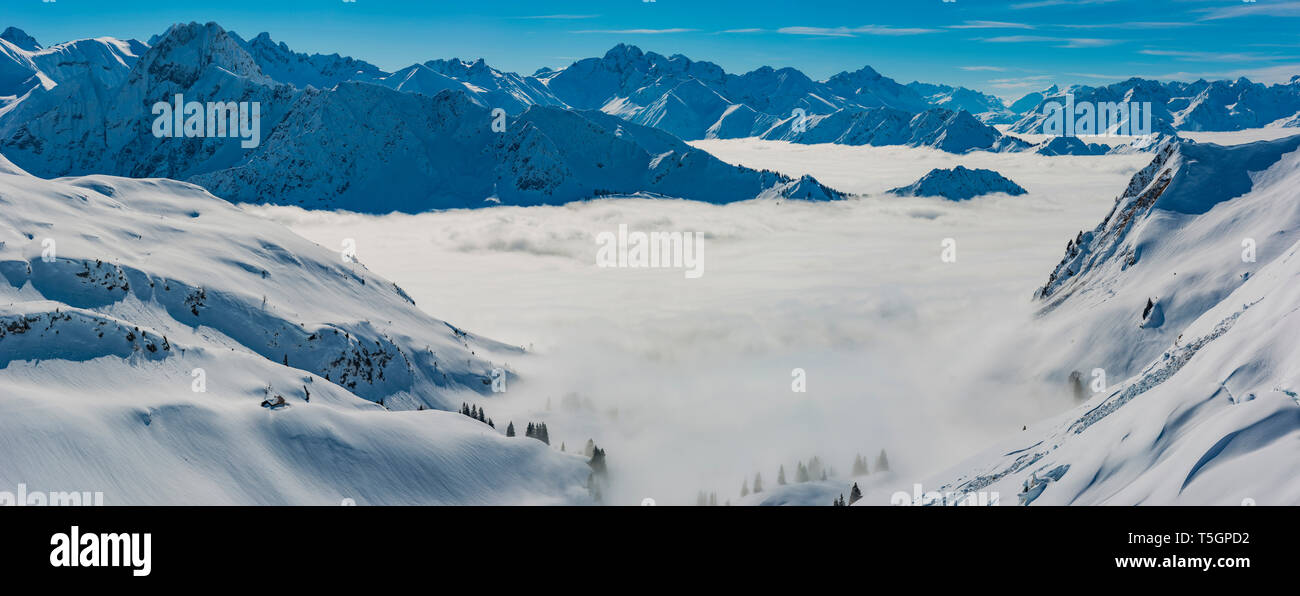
column 337, row 148
column 988, row 108
column 1184, row 297
column 51, row 98
column 1199, row 106
column 938, row 128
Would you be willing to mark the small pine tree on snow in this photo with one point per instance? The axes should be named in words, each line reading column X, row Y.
column 855, row 494
column 510, row 429
column 530, row 432
column 744, row 488
column 838, row 502
column 801, row 474
column 491, row 424
column 780, row 475
column 758, row 483
column 882, row 462
column 561, row 446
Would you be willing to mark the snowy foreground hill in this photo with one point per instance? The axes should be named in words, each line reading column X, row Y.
column 1187, row 297
column 159, row 345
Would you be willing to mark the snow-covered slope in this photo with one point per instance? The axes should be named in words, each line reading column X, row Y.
column 448, row 156
column 1032, row 100
column 959, row 184
column 120, row 297
column 1186, row 298
column 25, row 65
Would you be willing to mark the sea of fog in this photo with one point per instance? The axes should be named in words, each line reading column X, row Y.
column 687, row 383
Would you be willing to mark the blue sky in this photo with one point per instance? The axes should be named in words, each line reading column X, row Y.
column 1004, row 47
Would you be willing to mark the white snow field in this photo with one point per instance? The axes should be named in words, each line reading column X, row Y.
column 120, row 299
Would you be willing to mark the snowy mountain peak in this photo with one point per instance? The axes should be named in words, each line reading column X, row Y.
column 186, row 51
column 301, row 70
column 20, row 38
column 624, row 53
column 864, row 74
column 959, row 184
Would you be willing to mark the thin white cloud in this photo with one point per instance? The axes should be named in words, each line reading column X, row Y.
column 1213, row 56
column 1046, row 3
column 1029, row 82
column 1132, row 25
column 1281, row 73
column 1063, row 42
column 855, row 31
column 990, row 25
column 1256, row 9
column 1099, row 76
column 559, row 17
column 637, row 31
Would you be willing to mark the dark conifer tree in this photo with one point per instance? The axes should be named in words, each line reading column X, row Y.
column 597, row 462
